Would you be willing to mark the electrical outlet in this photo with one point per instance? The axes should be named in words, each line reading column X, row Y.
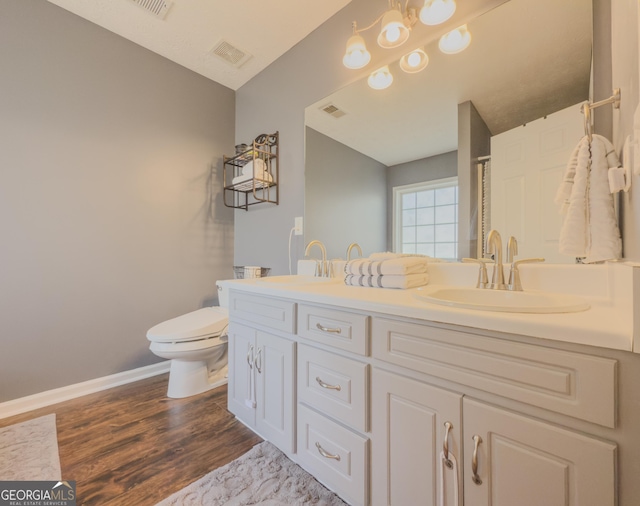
column 297, row 225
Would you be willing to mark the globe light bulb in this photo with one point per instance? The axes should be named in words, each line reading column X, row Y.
column 414, row 59
column 393, row 34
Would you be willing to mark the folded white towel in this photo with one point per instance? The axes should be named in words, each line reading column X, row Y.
column 261, row 178
column 389, row 254
column 387, row 281
column 391, row 265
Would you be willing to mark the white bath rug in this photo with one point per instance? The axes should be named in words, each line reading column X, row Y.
column 264, row 476
column 29, row 451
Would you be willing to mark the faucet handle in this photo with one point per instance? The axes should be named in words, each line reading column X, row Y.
column 483, row 278
column 512, row 249
column 514, row 274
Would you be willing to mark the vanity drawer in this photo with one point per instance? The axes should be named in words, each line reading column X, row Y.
column 278, row 314
column 334, row 385
column 338, row 457
column 342, row 329
column 574, row 384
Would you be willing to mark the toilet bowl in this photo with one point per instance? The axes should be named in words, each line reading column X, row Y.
column 196, row 344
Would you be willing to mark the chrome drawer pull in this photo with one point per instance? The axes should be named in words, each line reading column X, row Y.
column 325, row 454
column 474, row 460
column 445, row 445
column 327, row 329
column 326, row 385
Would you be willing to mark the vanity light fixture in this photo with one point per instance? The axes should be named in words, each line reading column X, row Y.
column 394, row 33
column 415, row 61
column 380, row 79
column 455, row 41
column 435, row 12
column 356, row 55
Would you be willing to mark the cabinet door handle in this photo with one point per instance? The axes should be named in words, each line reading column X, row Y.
column 250, row 356
column 328, row 329
column 258, row 360
column 325, row 454
column 326, row 385
column 474, row 460
column 445, row 445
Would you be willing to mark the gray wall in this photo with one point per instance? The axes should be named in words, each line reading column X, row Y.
column 345, row 197
column 418, row 171
column 110, row 213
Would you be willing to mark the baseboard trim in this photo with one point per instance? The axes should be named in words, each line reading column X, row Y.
column 49, row 397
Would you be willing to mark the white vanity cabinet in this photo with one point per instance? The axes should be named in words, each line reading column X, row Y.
column 333, row 399
column 503, row 458
column 512, row 459
column 497, row 457
column 261, row 389
column 370, row 403
column 413, row 424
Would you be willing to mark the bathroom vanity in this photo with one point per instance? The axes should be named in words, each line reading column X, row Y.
column 388, row 399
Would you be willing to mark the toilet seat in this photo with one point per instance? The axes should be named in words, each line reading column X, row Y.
column 187, row 346
column 200, row 325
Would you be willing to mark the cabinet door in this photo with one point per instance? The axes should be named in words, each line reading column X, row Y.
column 275, row 376
column 241, row 389
column 408, row 427
column 531, row 463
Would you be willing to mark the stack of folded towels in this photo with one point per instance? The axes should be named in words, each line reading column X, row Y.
column 388, row 270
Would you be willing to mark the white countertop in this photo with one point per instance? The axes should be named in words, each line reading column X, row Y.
column 605, row 324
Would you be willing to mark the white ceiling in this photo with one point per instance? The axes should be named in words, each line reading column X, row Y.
column 265, row 29
column 527, row 58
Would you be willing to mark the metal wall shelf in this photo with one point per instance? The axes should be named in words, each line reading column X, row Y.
column 251, row 176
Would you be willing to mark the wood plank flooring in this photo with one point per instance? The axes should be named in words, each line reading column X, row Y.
column 132, row 445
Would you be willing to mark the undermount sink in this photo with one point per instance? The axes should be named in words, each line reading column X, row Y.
column 296, row 280
column 502, row 300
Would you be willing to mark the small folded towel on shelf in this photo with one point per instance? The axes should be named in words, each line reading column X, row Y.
column 395, row 265
column 387, row 281
column 262, row 178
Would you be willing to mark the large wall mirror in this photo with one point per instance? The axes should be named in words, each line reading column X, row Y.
column 527, row 60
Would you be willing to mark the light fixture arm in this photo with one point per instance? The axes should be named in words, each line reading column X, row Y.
column 356, row 31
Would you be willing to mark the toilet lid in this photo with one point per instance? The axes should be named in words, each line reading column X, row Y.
column 205, row 322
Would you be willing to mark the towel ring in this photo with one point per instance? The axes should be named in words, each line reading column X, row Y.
column 587, row 106
column 586, row 110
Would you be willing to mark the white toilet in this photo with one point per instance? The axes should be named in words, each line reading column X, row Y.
column 196, row 344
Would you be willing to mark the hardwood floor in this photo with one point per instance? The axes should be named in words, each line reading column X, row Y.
column 132, row 445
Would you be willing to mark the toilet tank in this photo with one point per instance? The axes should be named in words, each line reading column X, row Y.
column 223, row 293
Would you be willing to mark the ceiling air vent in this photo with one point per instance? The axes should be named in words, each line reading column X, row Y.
column 158, row 8
column 332, row 110
column 231, row 54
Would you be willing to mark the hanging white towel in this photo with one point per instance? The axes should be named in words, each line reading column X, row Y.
column 590, row 229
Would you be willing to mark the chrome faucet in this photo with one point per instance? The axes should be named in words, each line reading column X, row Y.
column 323, row 271
column 494, row 246
column 351, row 246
